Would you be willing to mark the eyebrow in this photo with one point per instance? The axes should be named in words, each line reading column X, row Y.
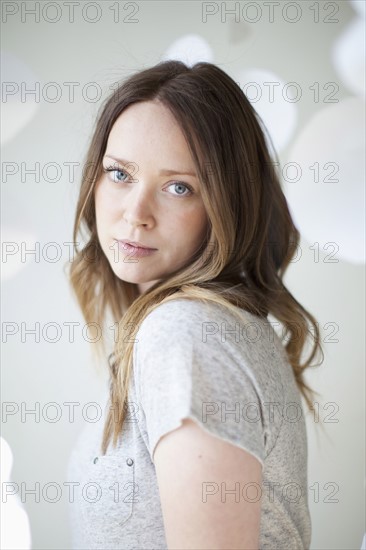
column 163, row 172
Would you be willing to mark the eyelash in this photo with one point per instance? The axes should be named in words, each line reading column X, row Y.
column 114, row 169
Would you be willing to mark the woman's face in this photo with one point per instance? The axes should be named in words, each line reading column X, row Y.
column 140, row 201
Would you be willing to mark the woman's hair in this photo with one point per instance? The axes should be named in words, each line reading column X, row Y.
column 251, row 237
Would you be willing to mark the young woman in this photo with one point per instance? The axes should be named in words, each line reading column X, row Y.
column 204, row 442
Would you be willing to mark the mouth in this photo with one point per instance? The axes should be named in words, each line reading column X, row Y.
column 134, row 244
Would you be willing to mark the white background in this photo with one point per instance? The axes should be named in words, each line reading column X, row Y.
column 317, row 52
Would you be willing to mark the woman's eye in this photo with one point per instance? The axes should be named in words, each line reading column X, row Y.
column 116, row 174
column 120, row 176
column 181, row 185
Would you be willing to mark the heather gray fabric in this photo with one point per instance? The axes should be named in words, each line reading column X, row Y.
column 196, row 360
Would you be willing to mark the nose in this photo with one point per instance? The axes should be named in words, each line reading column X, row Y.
column 139, row 208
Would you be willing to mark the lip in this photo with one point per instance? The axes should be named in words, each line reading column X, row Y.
column 135, row 244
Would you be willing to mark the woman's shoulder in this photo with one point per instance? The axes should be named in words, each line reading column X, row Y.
column 179, row 309
column 206, row 321
column 214, row 330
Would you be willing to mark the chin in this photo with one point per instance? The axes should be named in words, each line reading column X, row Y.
column 128, row 277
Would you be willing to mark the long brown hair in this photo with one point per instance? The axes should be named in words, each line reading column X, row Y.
column 251, row 237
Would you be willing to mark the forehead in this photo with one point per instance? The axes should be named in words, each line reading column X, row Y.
column 149, row 129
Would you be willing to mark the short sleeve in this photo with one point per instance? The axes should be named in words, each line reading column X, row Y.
column 181, row 374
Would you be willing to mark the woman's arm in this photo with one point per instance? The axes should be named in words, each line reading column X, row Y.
column 205, row 499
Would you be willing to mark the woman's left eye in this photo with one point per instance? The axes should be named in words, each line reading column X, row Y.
column 179, row 184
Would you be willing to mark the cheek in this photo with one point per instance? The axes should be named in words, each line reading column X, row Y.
column 194, row 224
column 200, row 222
column 105, row 207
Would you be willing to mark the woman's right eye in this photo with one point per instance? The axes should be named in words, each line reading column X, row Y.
column 116, row 173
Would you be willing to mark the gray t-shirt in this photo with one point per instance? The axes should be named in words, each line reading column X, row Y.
column 196, row 360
